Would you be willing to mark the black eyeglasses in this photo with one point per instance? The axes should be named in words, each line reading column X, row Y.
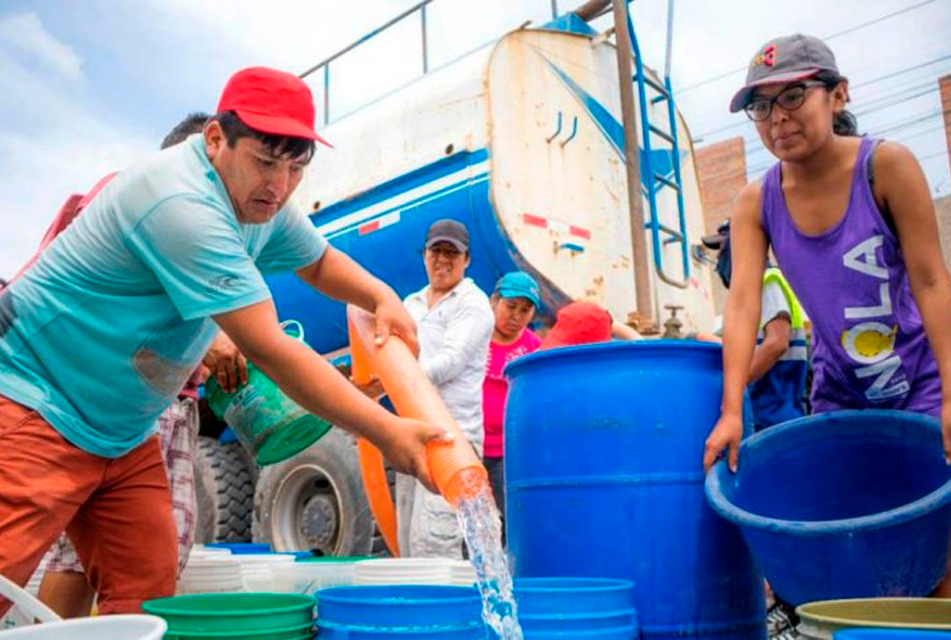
column 789, row 99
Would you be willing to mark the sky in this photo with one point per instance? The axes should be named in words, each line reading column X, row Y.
column 88, row 87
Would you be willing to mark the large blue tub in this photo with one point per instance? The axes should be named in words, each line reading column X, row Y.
column 604, row 478
column 842, row 505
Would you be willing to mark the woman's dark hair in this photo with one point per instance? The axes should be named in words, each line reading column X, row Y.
column 234, row 129
column 843, row 122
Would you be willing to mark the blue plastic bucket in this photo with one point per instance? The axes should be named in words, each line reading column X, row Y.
column 241, row 548
column 427, row 611
column 604, row 478
column 842, row 505
column 576, row 605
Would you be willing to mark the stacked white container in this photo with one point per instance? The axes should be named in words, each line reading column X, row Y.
column 389, row 571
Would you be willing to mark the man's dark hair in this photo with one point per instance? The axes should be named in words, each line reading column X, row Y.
column 193, row 123
column 296, row 148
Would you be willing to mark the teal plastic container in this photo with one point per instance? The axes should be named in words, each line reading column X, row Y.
column 270, row 425
column 256, row 616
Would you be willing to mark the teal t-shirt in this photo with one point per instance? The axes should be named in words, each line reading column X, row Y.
column 100, row 335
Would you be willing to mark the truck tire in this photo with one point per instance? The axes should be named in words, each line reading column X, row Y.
column 224, row 492
column 315, row 501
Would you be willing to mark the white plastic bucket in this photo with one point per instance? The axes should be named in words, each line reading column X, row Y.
column 394, row 571
column 308, row 577
column 119, row 627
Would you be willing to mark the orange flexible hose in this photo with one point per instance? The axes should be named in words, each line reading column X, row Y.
column 455, row 468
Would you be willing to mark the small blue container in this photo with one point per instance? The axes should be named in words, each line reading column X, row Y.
column 424, row 611
column 576, row 605
column 853, row 504
column 890, row 634
column 240, row 548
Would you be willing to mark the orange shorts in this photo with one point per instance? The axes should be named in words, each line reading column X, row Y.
column 116, row 511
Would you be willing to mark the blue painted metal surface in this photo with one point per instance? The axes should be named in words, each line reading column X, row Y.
column 394, row 253
column 571, row 23
column 854, row 504
column 604, row 479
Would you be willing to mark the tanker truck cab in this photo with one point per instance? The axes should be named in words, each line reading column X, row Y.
column 522, row 142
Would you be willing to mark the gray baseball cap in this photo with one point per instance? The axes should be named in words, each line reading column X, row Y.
column 449, row 231
column 782, row 60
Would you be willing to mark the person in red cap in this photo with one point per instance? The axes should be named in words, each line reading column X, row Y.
column 100, row 334
column 580, row 322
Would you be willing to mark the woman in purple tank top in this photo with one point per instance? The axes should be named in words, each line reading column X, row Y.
column 837, row 211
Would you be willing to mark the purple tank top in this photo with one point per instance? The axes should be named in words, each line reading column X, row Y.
column 869, row 344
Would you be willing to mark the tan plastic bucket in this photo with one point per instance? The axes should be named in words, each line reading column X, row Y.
column 819, row 620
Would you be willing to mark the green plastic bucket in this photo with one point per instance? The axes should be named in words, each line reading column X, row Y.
column 819, row 620
column 236, row 615
column 268, row 423
column 291, row 633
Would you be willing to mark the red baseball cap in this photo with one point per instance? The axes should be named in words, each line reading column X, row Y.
column 579, row 323
column 271, row 101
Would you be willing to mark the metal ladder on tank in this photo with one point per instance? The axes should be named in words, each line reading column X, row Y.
column 653, row 181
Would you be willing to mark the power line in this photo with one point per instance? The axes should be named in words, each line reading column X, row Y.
column 900, row 72
column 758, row 167
column 877, row 20
column 857, row 27
column 899, row 125
column 763, row 167
column 743, row 123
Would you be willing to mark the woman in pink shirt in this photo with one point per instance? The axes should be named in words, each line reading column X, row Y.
column 514, row 302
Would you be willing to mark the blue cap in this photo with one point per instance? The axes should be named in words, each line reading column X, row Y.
column 519, row 284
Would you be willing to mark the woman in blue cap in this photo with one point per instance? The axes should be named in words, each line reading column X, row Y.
column 514, row 302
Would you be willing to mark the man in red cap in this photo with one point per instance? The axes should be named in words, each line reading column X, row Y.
column 99, row 335
column 580, row 322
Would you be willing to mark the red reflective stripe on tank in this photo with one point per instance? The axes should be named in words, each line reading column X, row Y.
column 581, row 233
column 369, row 227
column 535, row 221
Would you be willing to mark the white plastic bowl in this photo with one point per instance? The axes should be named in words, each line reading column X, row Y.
column 119, row 627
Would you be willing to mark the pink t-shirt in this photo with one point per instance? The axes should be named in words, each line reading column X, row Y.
column 496, row 388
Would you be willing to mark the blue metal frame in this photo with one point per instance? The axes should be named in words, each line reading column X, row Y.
column 650, row 179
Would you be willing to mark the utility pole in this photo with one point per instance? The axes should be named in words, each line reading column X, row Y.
column 643, row 317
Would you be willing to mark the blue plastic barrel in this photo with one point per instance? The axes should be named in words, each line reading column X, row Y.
column 378, row 613
column 604, row 478
column 553, row 607
column 855, row 504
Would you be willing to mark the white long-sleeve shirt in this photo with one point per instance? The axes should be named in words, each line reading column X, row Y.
column 454, row 343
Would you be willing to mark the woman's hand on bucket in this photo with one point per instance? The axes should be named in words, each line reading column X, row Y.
column 726, row 435
column 226, row 363
column 405, row 447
